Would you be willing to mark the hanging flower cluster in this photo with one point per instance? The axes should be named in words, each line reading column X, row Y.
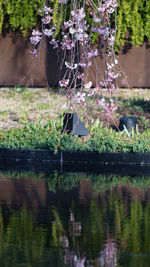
column 76, row 39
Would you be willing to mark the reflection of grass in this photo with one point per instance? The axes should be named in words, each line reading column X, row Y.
column 103, row 183
column 100, row 183
column 46, row 235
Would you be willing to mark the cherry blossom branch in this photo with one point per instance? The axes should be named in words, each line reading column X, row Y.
column 77, row 35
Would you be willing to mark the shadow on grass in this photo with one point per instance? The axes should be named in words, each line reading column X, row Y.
column 137, row 104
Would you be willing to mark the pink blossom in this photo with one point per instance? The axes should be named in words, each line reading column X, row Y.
column 102, row 84
column 108, row 256
column 48, row 32
column 47, row 19
column 68, row 44
column 101, row 9
column 96, row 19
column 63, row 1
column 79, row 36
column 92, row 53
column 80, row 30
column 116, row 61
column 88, row 85
column 124, row 82
column 80, row 76
column 111, row 88
column 64, row 241
column 108, row 6
column 84, row 65
column 71, row 66
column 35, row 39
column 79, row 15
column 112, row 75
column 72, row 217
column 64, row 83
column 36, row 33
column 54, row 42
column 108, row 82
column 111, row 10
column 101, row 31
column 80, row 98
column 111, row 40
column 109, row 108
column 94, row 91
column 109, row 66
column 68, row 24
column 72, row 30
column 79, row 262
column 33, row 53
column 47, row 10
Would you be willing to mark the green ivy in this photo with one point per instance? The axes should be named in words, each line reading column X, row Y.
column 1, row 15
column 19, row 14
column 133, row 18
column 133, row 22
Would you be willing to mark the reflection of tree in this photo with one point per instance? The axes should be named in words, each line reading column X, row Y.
column 89, row 237
column 68, row 181
column 81, row 233
column 69, row 241
column 108, row 256
column 127, row 225
column 133, row 226
column 24, row 242
column 100, row 183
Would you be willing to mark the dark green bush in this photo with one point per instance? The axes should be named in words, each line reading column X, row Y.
column 133, row 22
column 37, row 136
column 133, row 18
column 19, row 14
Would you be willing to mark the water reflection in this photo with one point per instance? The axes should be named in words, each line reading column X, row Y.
column 74, row 220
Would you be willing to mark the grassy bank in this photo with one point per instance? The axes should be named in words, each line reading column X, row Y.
column 48, row 136
column 33, row 118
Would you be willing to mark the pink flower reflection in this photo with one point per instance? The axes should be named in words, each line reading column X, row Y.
column 108, row 256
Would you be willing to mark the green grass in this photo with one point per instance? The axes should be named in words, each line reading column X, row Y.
column 29, row 105
column 44, row 106
column 49, row 136
column 33, row 118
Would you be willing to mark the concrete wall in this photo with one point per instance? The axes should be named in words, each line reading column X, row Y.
column 18, row 68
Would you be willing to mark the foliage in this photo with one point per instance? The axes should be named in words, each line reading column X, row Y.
column 71, row 223
column 133, row 18
column 48, row 136
column 1, row 16
column 68, row 181
column 133, row 22
column 19, row 14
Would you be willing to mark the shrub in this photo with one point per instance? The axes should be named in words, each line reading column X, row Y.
column 133, row 18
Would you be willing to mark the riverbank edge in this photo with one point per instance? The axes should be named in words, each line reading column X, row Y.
column 83, row 157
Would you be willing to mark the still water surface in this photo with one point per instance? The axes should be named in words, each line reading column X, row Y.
column 74, row 220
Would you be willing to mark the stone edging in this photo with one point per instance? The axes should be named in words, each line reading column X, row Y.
column 38, row 160
column 64, row 157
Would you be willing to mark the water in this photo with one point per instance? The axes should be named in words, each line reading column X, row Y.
column 74, row 220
